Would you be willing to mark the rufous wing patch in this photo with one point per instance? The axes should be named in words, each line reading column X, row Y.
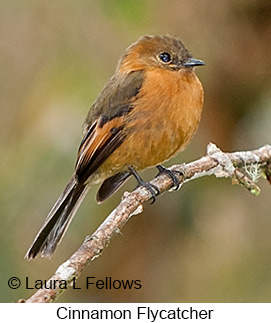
column 98, row 146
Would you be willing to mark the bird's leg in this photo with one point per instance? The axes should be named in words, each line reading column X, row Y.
column 171, row 174
column 154, row 190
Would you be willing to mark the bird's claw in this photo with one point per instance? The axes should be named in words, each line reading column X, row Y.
column 152, row 189
column 171, row 174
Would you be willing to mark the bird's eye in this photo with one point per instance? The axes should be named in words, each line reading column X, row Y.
column 165, row 57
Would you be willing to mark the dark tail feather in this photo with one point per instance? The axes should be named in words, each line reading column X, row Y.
column 111, row 185
column 58, row 220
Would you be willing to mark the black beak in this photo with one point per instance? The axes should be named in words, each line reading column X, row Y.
column 191, row 62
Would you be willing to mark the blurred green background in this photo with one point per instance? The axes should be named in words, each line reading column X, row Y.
column 208, row 242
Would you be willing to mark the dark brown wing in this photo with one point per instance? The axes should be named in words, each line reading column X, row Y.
column 116, row 97
column 103, row 134
column 98, row 146
column 105, row 122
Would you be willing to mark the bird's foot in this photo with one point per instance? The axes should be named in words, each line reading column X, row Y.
column 171, row 174
column 154, row 190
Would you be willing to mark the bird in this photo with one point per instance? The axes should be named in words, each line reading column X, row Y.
column 146, row 113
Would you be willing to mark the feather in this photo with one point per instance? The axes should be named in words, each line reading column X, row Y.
column 58, row 220
column 111, row 185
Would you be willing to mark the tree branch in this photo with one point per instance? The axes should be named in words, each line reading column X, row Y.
column 244, row 168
